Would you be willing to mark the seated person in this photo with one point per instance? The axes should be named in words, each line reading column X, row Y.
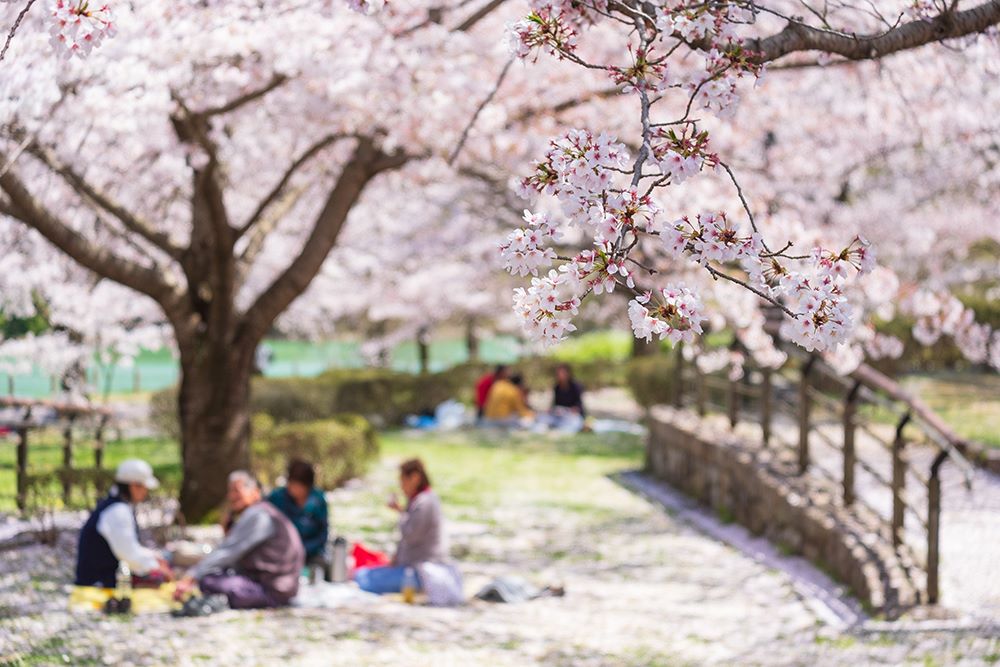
column 567, row 401
column 506, row 403
column 305, row 507
column 483, row 387
column 421, row 534
column 259, row 561
column 111, row 534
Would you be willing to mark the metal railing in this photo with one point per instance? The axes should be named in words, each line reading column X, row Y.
column 805, row 387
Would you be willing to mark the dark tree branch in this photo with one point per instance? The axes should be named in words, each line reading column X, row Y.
column 131, row 221
column 278, row 189
column 565, row 105
column 102, row 261
column 365, row 163
column 797, row 36
column 276, row 81
column 478, row 15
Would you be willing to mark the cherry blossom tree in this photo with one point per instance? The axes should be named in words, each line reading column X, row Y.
column 208, row 156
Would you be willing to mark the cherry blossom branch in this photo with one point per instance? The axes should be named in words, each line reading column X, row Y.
column 13, row 28
column 767, row 297
column 478, row 111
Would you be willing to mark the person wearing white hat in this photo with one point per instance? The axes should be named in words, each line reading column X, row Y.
column 111, row 534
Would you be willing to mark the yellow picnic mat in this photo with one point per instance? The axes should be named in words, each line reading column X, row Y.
column 144, row 600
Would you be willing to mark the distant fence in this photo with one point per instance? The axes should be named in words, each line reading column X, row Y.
column 77, row 426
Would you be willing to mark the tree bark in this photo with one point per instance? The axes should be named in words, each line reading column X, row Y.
column 214, row 410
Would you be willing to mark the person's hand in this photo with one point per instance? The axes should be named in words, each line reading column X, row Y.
column 393, row 503
column 183, row 588
column 164, row 568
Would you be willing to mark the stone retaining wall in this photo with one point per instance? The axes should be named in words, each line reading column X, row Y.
column 730, row 471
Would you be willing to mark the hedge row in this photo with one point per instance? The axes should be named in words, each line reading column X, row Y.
column 340, row 448
column 383, row 396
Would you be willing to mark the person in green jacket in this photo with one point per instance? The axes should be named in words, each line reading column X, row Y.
column 305, row 506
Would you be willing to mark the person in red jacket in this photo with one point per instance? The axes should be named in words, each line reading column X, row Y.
column 483, row 387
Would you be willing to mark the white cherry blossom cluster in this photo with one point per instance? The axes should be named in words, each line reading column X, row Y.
column 676, row 314
column 942, row 314
column 710, row 236
column 645, row 73
column 542, row 30
column 78, row 26
column 680, row 155
column 859, row 255
column 524, row 251
column 547, row 307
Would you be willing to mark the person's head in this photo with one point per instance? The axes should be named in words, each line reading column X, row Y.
column 300, row 480
column 499, row 372
column 243, row 491
column 413, row 477
column 564, row 374
column 517, row 379
column 134, row 479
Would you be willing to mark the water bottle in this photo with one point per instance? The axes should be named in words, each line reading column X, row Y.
column 123, row 587
column 409, row 585
column 339, row 560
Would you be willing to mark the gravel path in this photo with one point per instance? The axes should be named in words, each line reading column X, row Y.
column 644, row 588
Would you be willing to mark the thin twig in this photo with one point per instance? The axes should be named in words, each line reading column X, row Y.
column 479, row 110
column 13, row 29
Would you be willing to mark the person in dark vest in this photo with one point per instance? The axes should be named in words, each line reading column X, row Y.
column 111, row 534
column 258, row 563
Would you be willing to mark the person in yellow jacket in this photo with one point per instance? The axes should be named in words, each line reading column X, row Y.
column 505, row 403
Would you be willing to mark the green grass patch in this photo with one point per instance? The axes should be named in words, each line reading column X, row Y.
column 473, row 470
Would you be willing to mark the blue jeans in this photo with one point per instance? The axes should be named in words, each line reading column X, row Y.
column 381, row 580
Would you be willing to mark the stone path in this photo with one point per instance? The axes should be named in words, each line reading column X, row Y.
column 644, row 588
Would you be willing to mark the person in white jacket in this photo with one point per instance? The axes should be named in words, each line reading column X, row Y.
column 111, row 534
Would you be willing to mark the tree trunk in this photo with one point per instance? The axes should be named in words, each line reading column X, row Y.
column 423, row 351
column 472, row 340
column 214, row 408
column 643, row 348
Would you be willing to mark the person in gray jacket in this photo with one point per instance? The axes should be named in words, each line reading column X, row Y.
column 259, row 561
column 421, row 539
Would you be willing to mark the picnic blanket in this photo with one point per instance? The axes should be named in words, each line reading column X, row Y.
column 144, row 600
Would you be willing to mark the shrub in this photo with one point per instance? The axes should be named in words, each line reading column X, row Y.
column 651, row 380
column 163, row 413
column 339, row 448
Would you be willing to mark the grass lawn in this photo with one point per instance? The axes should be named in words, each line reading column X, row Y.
column 969, row 402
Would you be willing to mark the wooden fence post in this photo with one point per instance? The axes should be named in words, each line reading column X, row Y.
column 67, row 458
column 934, row 527
column 22, row 461
column 898, row 482
column 733, row 403
column 702, row 390
column 136, row 378
column 679, row 376
column 765, row 406
column 99, row 442
column 850, row 458
column 804, row 415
